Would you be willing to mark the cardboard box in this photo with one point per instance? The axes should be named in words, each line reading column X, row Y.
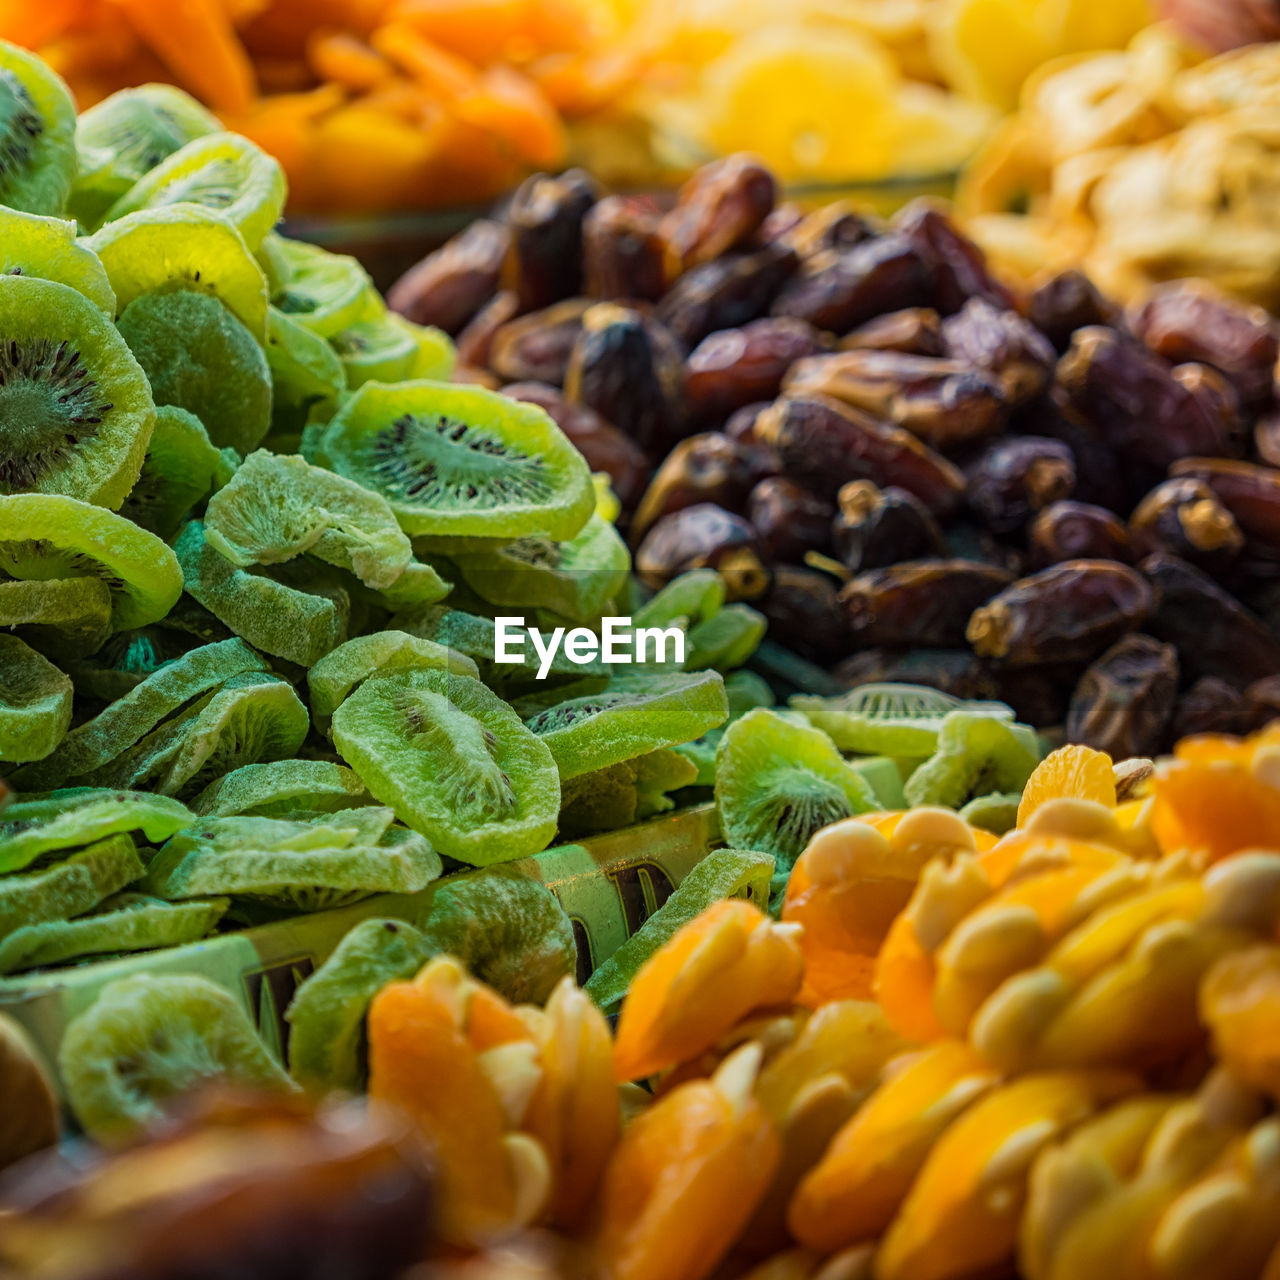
column 608, row 885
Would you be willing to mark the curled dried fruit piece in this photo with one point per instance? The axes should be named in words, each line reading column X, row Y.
column 35, row 703
column 1238, row 1001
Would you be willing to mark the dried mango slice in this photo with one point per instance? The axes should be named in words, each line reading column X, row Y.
column 35, row 703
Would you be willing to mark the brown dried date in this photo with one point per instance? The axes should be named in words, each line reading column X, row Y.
column 1125, row 701
column 1266, row 437
column 536, row 347
column 1263, row 699
column 623, row 252
column 1184, row 517
column 1251, row 493
column 958, row 268
column 630, row 371
column 703, row 468
column 824, row 444
column 804, row 613
column 838, row 290
column 1067, row 302
column 954, row 671
column 1013, row 478
column 788, row 519
column 944, row 402
column 1077, row 531
column 921, row 602
column 704, row 537
column 877, row 527
column 1190, row 320
column 1039, row 695
column 736, row 367
column 726, row 293
column 915, row 331
column 1211, row 706
column 475, row 342
column 1004, row 344
column 968, row 540
column 545, row 215
column 448, row 287
column 838, row 225
column 719, row 209
column 780, row 224
column 1069, row 612
column 1214, row 633
column 1101, row 478
column 741, row 424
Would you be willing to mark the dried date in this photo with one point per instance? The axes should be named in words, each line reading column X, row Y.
column 545, row 216
column 736, row 367
column 876, row 527
column 1077, row 531
column 537, row 346
column 623, row 252
column 704, row 537
column 915, row 331
column 1000, row 341
column 958, row 268
column 475, row 342
column 788, row 520
column 726, row 293
column 1211, row 706
column 1125, row 701
column 1016, row 477
column 804, row 614
column 448, row 287
column 719, row 209
column 1067, row 302
column 1184, row 517
column 838, row 225
column 1251, row 493
column 954, row 671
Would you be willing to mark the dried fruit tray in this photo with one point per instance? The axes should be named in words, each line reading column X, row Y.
column 608, row 885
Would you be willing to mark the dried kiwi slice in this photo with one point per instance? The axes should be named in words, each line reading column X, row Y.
column 306, row 373
column 456, row 460
column 76, row 407
column 633, row 716
column 577, row 578
column 148, row 1039
column 314, row 865
column 778, row 782
column 222, row 171
column 275, row 508
column 389, row 348
column 179, row 471
column 186, row 247
column 454, row 761
column 280, row 787
column 300, row 623
column 125, row 136
column 693, row 597
column 32, row 245
column 977, row 753
column 47, row 536
column 65, row 618
column 327, row 1045
column 322, row 291
column 723, row 873
column 198, row 356
column 124, row 924
column 620, row 794
column 35, row 703
column 70, row 887
column 37, row 134
column 336, row 674
column 996, row 812
column 726, row 640
column 36, row 825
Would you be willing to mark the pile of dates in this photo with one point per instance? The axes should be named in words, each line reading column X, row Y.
column 914, row 473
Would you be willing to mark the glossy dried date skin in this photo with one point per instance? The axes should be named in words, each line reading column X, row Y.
column 876, row 527
column 804, row 614
column 788, row 520
column 536, row 347
column 954, row 671
column 545, row 216
column 1211, row 705
column 957, row 267
column 623, row 252
column 1015, row 477
column 704, row 537
column 1077, row 531
column 719, row 209
column 824, row 445
column 1125, row 701
column 1000, row 341
column 1215, row 635
column 1266, row 437
column 1067, row 302
column 704, row 468
column 448, row 287
column 1184, row 517
column 838, row 225
column 1191, row 321
column 736, row 367
column 741, row 423
column 915, row 331
column 1251, row 493
column 923, row 602
column 475, row 342
column 1069, row 612
column 727, row 293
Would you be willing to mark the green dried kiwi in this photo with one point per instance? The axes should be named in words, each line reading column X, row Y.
column 76, row 407
column 632, row 717
column 327, row 1044
column 198, row 356
column 460, row 460
column 35, row 703
column 389, row 348
column 977, row 753
column 509, row 930
column 577, row 578
column 300, row 623
column 604, row 800
column 778, row 782
column 745, row 691
column 726, row 640
column 996, row 812
column 329, row 861
column 541, row 697
column 279, row 787
column 33, row 826
column 65, row 618
column 186, row 247
column 48, row 536
column 148, row 1039
column 455, row 763
column 322, row 291
column 888, row 719
column 333, row 678
column 71, row 886
column 723, row 873
column 33, row 245
column 884, row 777
column 37, row 134
column 130, row 718
column 127, row 923
column 420, row 584
column 658, row 773
column 125, row 136
column 221, row 171
column 306, row 373
column 277, row 507
column 693, row 597
column 179, row 471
